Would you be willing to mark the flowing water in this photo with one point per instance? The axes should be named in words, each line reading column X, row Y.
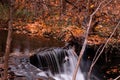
column 69, row 68
column 57, row 63
column 60, row 63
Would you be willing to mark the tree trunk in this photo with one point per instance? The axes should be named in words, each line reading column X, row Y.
column 8, row 42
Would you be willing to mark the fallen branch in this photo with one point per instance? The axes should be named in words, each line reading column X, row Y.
column 92, row 65
column 85, row 41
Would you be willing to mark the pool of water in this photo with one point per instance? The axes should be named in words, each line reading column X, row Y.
column 22, row 42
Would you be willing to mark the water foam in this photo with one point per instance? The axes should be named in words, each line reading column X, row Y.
column 68, row 68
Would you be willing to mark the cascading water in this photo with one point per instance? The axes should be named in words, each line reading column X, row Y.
column 57, row 62
column 68, row 68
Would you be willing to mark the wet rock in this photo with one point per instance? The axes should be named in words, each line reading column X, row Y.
column 19, row 64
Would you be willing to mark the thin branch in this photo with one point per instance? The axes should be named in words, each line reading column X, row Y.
column 85, row 41
column 98, row 8
column 97, row 53
column 107, row 3
column 117, row 78
column 92, row 65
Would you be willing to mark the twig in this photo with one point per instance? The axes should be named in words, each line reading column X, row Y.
column 92, row 65
column 96, row 53
column 85, row 41
column 107, row 3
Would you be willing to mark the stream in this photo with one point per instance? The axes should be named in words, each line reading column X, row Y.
column 55, row 68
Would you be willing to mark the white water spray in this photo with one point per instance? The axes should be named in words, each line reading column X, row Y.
column 68, row 68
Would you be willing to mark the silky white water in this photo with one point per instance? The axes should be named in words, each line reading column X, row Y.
column 68, row 68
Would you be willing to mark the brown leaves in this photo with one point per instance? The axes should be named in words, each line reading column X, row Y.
column 113, row 70
column 95, row 39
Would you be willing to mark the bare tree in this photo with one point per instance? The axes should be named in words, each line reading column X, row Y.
column 9, row 39
column 85, row 41
column 95, row 60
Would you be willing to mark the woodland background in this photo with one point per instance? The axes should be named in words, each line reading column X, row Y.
column 62, row 20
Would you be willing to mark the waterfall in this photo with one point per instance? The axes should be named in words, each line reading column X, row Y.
column 58, row 63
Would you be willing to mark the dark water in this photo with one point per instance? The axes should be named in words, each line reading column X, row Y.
column 22, row 42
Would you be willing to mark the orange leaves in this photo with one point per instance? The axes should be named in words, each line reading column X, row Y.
column 75, row 30
column 95, row 39
column 63, row 33
column 113, row 70
column 92, row 6
column 104, row 31
column 32, row 28
column 72, row 31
